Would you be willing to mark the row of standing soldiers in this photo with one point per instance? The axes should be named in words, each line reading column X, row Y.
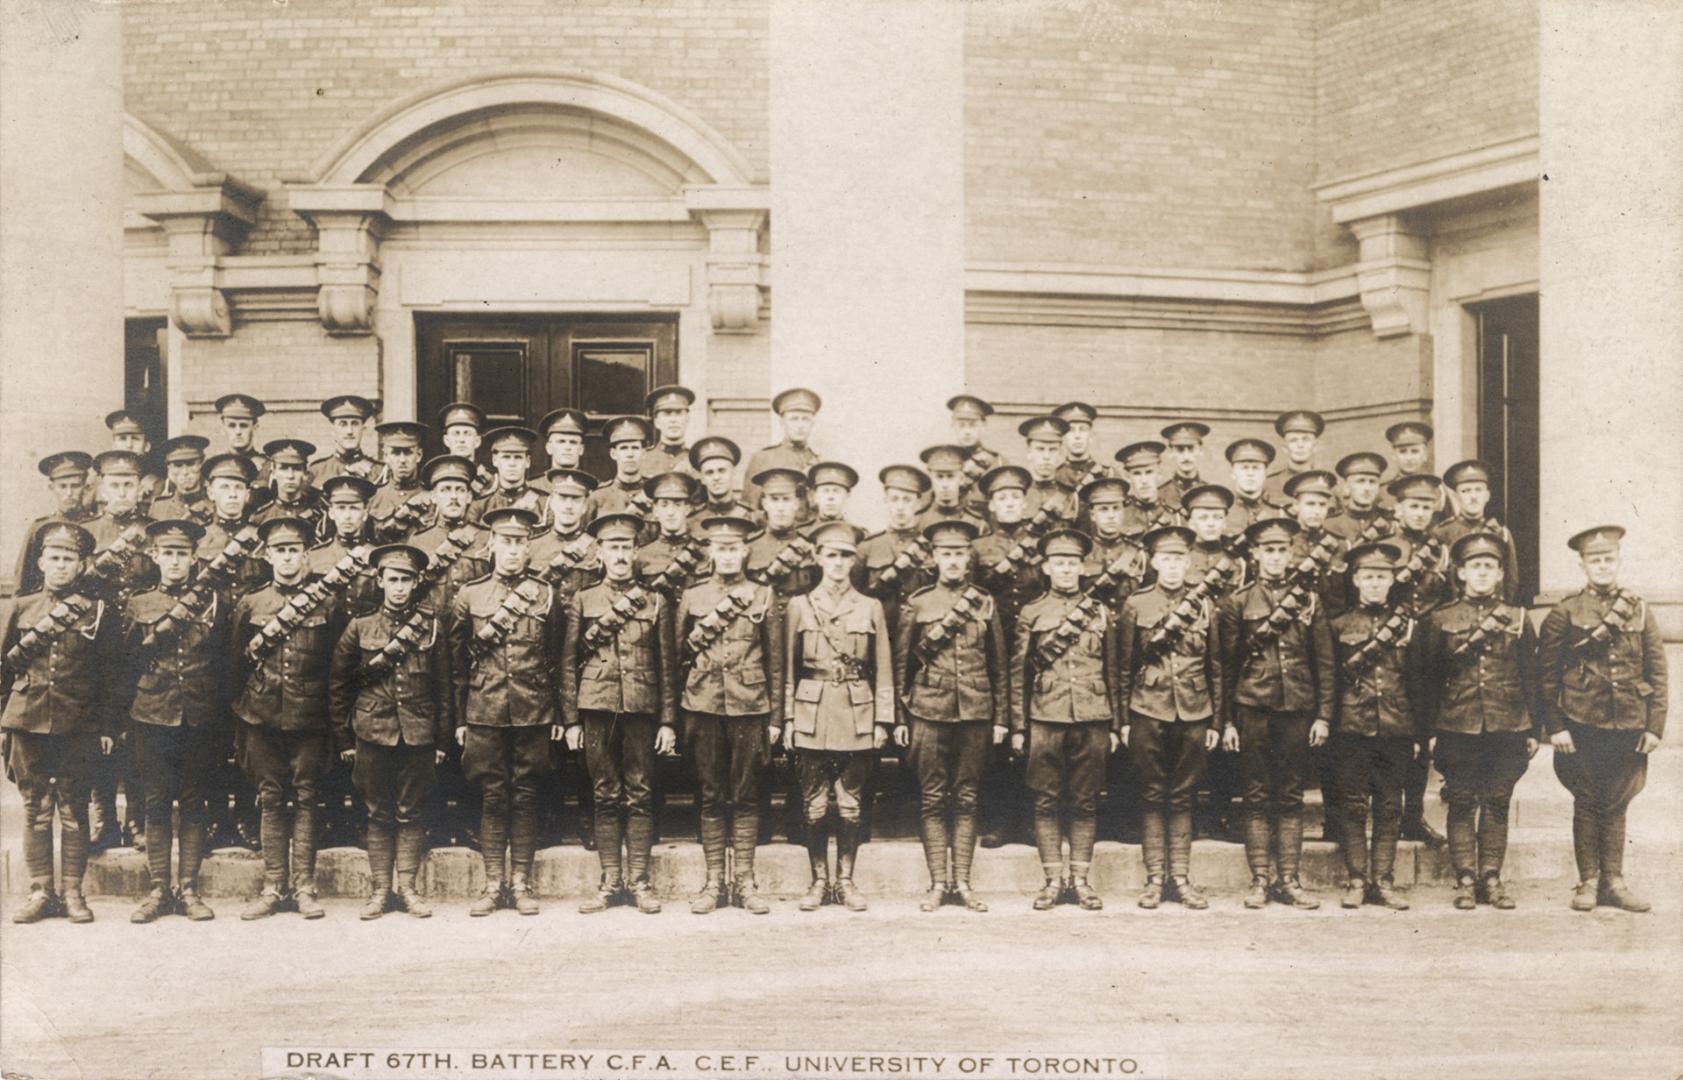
column 502, row 615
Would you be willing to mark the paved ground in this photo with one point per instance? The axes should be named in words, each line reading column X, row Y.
column 1432, row 992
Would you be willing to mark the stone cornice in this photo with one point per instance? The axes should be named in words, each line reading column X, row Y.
column 1411, row 187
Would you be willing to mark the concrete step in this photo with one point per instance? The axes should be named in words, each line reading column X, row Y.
column 884, row 868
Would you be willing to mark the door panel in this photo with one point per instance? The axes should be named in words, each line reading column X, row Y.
column 1507, row 421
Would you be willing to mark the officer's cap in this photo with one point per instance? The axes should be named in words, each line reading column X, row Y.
column 562, row 422
column 833, row 472
column 1409, row 433
column 229, row 467
column 671, row 485
column 185, row 449
column 904, row 477
column 1106, row 489
column 624, row 429
column 1415, row 486
column 239, row 407
column 1141, row 455
column 1072, row 412
column 616, row 527
column 447, row 467
column 943, row 458
column 347, row 407
column 1300, row 420
column 1361, row 463
column 836, row 534
column 1466, row 472
column 1596, row 541
column 1043, row 428
column 461, row 412
column 1311, row 482
column 67, row 535
column 347, row 488
column 286, row 530
column 65, row 464
column 404, row 557
column 174, row 532
column 289, row 452
column 957, row 533
column 574, row 482
column 968, row 407
column 662, row 398
column 123, row 422
column 1207, row 497
column 401, row 433
column 1004, row 478
column 510, row 439
column 1379, row 556
column 780, row 480
column 711, row 447
column 1249, row 450
column 511, row 521
column 1475, row 544
column 117, row 463
column 727, row 527
column 798, row 399
column 1271, row 531
column 1066, row 542
column 1185, row 433
column 1171, row 538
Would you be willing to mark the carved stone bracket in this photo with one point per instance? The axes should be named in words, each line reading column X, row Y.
column 350, row 220
column 733, row 218
column 1393, row 274
column 202, row 224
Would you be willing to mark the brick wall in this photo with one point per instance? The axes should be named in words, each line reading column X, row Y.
column 262, row 88
column 292, row 365
column 1173, row 134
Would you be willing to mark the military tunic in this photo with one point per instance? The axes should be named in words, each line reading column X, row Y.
column 527, row 497
column 1454, row 528
column 1170, row 696
column 343, row 463
column 399, row 511
column 876, row 574
column 1069, row 709
column 732, row 696
column 783, row 455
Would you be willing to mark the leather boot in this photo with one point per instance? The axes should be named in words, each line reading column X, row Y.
column 745, row 837
column 847, row 850
column 1585, row 895
column 711, row 897
column 1190, row 896
column 748, row 896
column 639, row 846
column 1586, row 843
column 520, row 893
column 1614, row 892
column 1416, row 827
column 1496, row 894
column 375, row 906
column 75, row 905
column 264, row 904
column 411, row 845
column 191, row 904
column 1290, row 891
column 1256, row 896
column 1466, row 888
column 818, row 854
column 489, row 899
column 1385, row 892
column 1152, row 895
column 612, row 884
column 932, row 830
column 1355, row 894
column 964, row 857
column 42, row 904
column 1154, row 843
column 1085, row 896
column 1051, row 892
column 306, row 900
column 153, row 905
column 381, row 860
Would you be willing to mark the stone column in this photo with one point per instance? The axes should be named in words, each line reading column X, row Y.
column 61, row 236
column 867, row 222
column 1611, row 267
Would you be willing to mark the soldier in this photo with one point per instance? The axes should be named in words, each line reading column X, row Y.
column 1277, row 684
column 393, row 712
column 839, row 704
column 1311, row 496
column 1078, row 466
column 129, row 436
column 627, row 437
column 1248, row 460
column 947, row 487
column 619, row 672
column 950, row 652
column 829, row 483
column 1300, row 431
column 348, row 497
column 175, row 651
column 183, row 494
column 348, row 414
column 459, row 425
column 1169, row 683
column 1480, row 703
column 1378, row 719
column 714, row 459
column 56, row 712
column 1415, row 497
column 1411, row 450
column 511, row 461
column 1147, row 509
column 67, row 478
column 897, row 560
column 1604, row 706
column 1043, row 436
column 282, row 646
column 292, row 495
column 732, row 630
column 1064, row 704
column 1214, row 571
column 1185, row 442
column 669, row 408
column 400, row 506
column 969, row 415
column 239, row 415
column 505, row 633
column 1469, row 481
column 1358, row 519
column 797, row 411
column 672, row 493
column 563, row 432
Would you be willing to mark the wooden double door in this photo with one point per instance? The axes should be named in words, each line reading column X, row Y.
column 519, row 367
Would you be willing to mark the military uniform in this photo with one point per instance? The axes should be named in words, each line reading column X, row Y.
column 309, row 504
column 953, row 695
column 732, row 697
column 785, row 454
column 345, row 461
column 282, row 701
column 655, row 554
column 121, row 422
column 1248, row 509
column 54, row 709
column 1046, row 493
column 1481, row 703
column 935, row 514
column 1603, row 671
column 663, row 457
column 393, row 496
column 527, row 495
column 61, row 466
column 508, row 696
column 1274, row 690
column 763, row 566
column 395, row 715
column 481, row 481
column 619, row 497
column 1172, row 489
column 1170, row 696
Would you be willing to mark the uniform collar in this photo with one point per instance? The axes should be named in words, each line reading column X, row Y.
column 351, row 456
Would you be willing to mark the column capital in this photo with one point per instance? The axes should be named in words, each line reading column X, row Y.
column 350, row 221
column 202, row 225
column 734, row 218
